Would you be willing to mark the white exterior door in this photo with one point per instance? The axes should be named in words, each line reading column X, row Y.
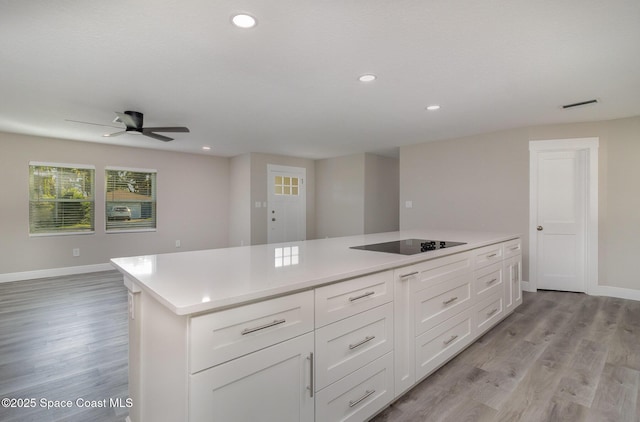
column 287, row 204
column 559, row 215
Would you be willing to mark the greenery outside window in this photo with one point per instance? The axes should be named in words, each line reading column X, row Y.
column 61, row 198
column 130, row 198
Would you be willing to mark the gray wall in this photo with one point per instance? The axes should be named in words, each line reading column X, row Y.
column 381, row 194
column 340, row 196
column 356, row 194
column 240, row 200
column 482, row 183
column 192, row 204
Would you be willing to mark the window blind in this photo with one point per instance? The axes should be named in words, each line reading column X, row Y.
column 61, row 198
column 130, row 199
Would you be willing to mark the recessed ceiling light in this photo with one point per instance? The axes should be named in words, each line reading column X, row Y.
column 206, row 148
column 369, row 77
column 243, row 21
column 433, row 107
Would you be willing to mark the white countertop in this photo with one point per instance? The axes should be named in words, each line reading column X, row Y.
column 214, row 279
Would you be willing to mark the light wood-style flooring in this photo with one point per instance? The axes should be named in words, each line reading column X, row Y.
column 559, row 357
column 64, row 338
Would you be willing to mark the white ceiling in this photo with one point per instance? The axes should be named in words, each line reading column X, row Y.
column 290, row 85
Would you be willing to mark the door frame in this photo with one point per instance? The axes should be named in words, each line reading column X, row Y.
column 590, row 147
column 297, row 171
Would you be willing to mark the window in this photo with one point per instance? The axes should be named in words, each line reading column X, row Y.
column 130, row 199
column 61, row 198
column 285, row 185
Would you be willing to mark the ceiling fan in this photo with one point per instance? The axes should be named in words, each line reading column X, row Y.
column 133, row 120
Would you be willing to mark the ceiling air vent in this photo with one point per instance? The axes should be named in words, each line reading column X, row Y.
column 582, row 103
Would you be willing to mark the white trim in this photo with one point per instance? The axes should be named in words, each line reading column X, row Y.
column 590, row 146
column 62, row 233
column 526, row 287
column 54, row 272
column 619, row 292
column 116, row 168
column 63, row 165
column 114, row 231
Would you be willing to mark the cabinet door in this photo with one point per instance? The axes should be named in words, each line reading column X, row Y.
column 272, row 384
column 513, row 289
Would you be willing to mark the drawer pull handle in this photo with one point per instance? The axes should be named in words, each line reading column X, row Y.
column 353, row 299
column 492, row 255
column 446, row 342
column 515, row 248
column 361, row 342
column 492, row 281
column 366, row 394
column 453, row 299
column 262, row 327
column 310, row 387
column 492, row 312
column 409, row 275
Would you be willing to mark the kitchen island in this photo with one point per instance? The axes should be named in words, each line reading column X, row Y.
column 214, row 334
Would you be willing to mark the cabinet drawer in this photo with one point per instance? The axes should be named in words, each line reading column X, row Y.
column 359, row 395
column 489, row 280
column 488, row 255
column 489, row 311
column 440, row 302
column 346, row 345
column 430, row 273
column 436, row 346
column 225, row 335
column 512, row 248
column 341, row 300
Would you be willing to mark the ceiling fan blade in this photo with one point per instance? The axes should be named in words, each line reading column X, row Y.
column 89, row 123
column 129, row 121
column 111, row 135
column 158, row 137
column 165, row 129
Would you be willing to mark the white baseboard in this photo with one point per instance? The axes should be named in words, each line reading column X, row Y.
column 54, row 272
column 526, row 286
column 619, row 292
column 609, row 291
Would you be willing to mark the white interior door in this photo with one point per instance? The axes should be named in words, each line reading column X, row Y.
column 287, row 204
column 561, row 220
column 563, row 235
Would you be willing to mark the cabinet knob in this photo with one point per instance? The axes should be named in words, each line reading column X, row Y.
column 540, row 228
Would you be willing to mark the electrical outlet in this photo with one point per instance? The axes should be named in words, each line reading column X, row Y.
column 76, row 251
column 178, row 244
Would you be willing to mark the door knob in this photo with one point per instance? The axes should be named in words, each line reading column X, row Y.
column 539, row 228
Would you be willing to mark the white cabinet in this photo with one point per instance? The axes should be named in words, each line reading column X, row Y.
column 489, row 280
column 346, row 345
column 442, row 305
column 341, row 300
column 357, row 396
column 441, row 343
column 513, row 287
column 271, row 384
column 354, row 348
column 221, row 336
column 339, row 352
column 238, row 356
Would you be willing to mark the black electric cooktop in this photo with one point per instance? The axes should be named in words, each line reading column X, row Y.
column 408, row 246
